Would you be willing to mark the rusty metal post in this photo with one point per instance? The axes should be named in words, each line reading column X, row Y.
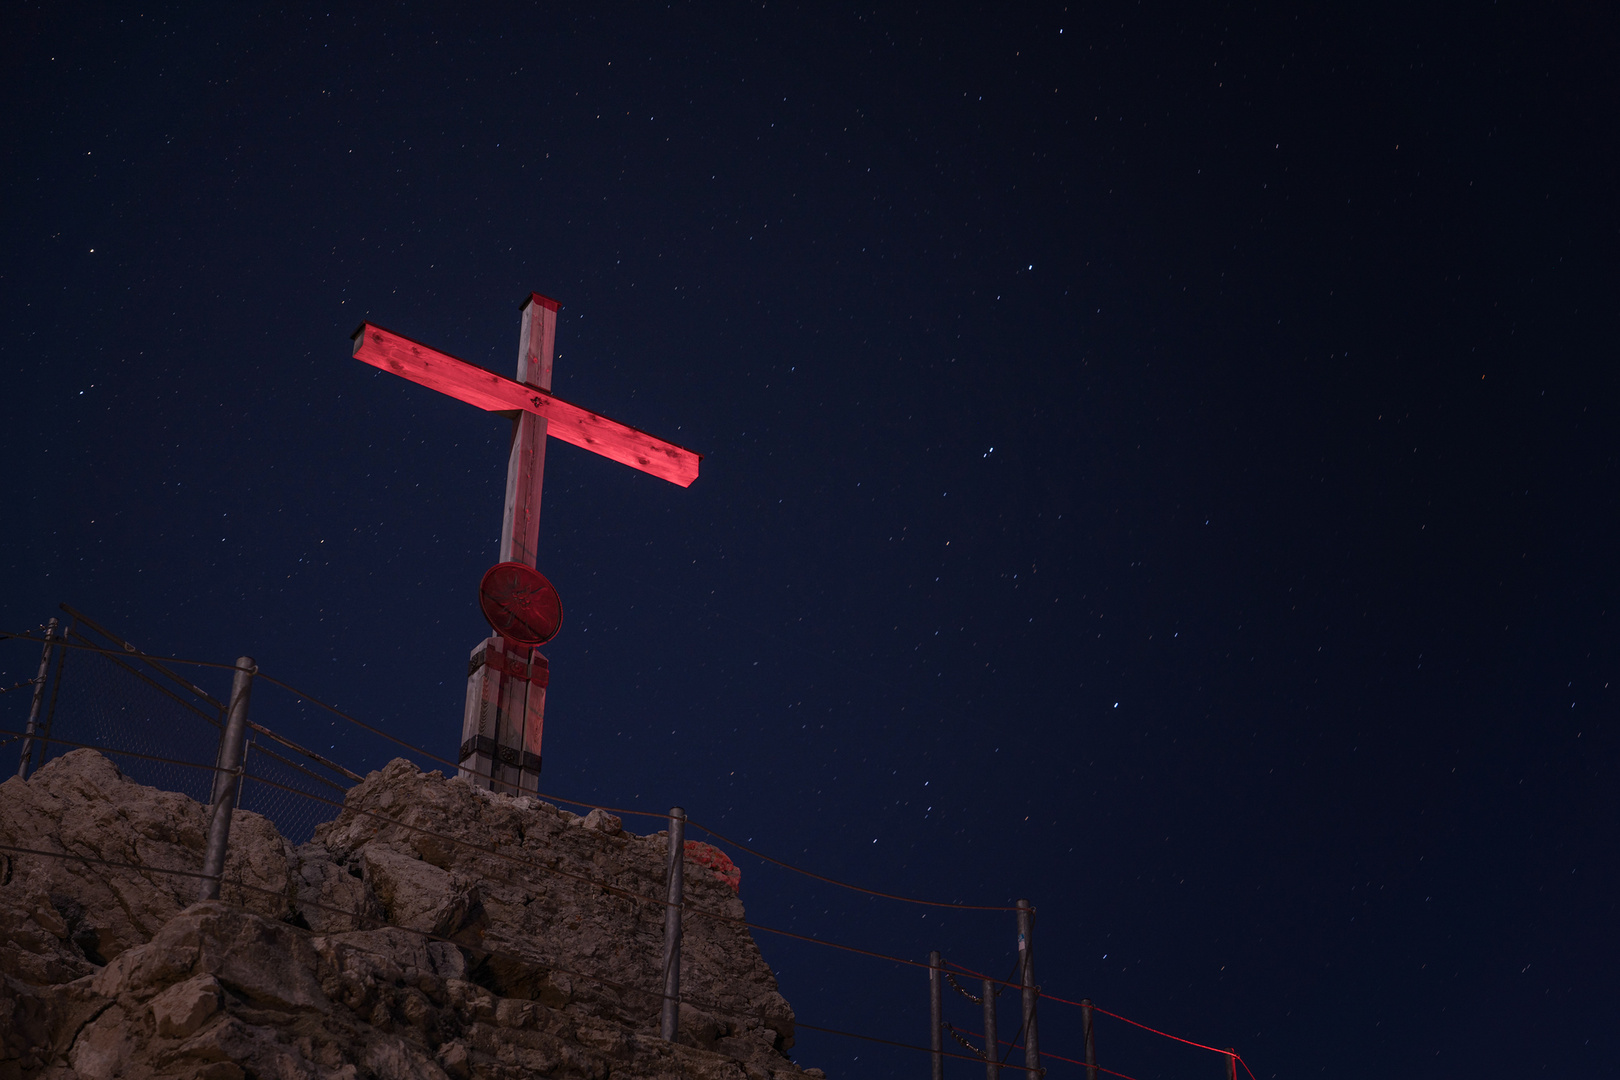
column 1026, row 978
column 992, row 1048
column 1091, row 1041
column 38, row 702
column 669, row 1020
column 227, row 777
column 936, row 1017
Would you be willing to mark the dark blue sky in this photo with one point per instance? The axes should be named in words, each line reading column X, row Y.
column 1161, row 464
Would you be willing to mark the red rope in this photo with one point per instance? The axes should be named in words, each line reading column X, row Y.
column 982, row 975
column 1144, row 1027
column 1096, row 1008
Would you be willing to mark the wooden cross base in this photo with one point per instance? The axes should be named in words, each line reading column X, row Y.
column 505, row 716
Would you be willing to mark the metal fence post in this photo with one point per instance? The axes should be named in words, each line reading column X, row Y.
column 227, row 777
column 1026, row 970
column 1091, row 1041
column 936, row 1018
column 1231, row 1064
column 38, row 702
column 992, row 1048
column 669, row 1019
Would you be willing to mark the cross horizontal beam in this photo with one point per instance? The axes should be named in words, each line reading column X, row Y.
column 470, row 383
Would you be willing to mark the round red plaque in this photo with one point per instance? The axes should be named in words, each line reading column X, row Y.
column 520, row 603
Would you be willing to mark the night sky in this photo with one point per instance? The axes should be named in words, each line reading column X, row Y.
column 1160, row 464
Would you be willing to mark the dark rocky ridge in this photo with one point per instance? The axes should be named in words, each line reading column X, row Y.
column 506, row 956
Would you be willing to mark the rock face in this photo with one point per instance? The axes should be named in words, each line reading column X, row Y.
column 432, row 930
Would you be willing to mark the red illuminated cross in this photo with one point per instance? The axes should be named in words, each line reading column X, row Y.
column 536, row 411
column 506, row 683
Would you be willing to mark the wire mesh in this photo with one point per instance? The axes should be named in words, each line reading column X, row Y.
column 125, row 706
column 103, row 700
column 295, row 817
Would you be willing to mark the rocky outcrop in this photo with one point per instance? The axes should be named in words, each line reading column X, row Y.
column 71, row 916
column 431, row 930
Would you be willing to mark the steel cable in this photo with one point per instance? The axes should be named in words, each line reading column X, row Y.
column 844, row 884
column 1011, row 1046
column 975, row 998
column 957, row 1035
column 377, row 923
column 713, row 1007
column 516, row 788
column 639, row 813
column 62, row 641
column 109, row 750
column 605, row 886
column 634, row 896
column 1097, row 1008
column 615, row 890
column 1144, row 1027
column 446, row 761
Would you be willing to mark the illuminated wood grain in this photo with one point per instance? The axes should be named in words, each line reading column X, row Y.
column 456, row 378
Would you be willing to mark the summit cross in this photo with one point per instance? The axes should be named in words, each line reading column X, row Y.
column 507, row 679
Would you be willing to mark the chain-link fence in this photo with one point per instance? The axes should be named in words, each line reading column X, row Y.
column 92, row 689
column 291, row 787
column 160, row 722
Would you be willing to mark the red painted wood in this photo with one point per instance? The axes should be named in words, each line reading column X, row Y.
column 536, row 339
column 526, row 461
column 520, row 604
column 467, row 382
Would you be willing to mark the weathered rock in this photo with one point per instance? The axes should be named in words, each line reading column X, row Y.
column 332, row 898
column 102, row 1047
column 414, row 894
column 540, row 873
column 183, row 1008
column 81, row 804
column 602, row 821
column 525, row 940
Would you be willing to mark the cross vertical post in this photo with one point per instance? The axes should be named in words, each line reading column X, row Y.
column 504, row 717
column 526, row 464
